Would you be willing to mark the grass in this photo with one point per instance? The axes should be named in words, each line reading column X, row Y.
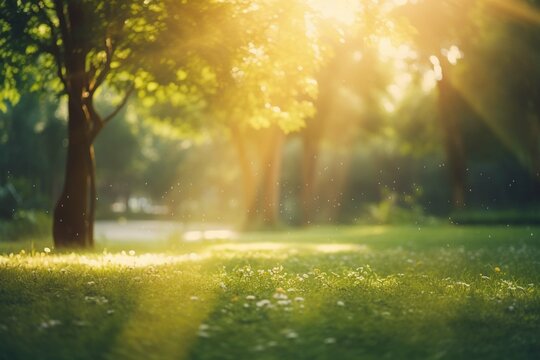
column 319, row 293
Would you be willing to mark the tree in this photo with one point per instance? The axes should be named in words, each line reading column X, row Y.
column 506, row 57
column 267, row 93
column 351, row 82
column 31, row 149
column 439, row 28
column 84, row 43
column 77, row 47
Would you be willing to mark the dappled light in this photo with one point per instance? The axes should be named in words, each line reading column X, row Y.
column 269, row 179
column 124, row 259
column 250, row 297
column 343, row 11
column 192, row 236
column 275, row 249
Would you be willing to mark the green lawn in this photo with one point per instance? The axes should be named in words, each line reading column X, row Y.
column 321, row 293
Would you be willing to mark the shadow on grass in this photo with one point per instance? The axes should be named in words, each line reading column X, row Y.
column 416, row 300
column 381, row 322
column 512, row 333
column 85, row 312
column 55, row 314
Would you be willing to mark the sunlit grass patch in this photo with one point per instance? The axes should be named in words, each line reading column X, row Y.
column 364, row 293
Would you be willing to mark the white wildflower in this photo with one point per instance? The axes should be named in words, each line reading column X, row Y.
column 49, row 324
column 263, row 303
column 280, row 296
column 330, row 340
column 289, row 334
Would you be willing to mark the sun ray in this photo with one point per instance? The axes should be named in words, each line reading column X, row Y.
column 517, row 9
column 342, row 11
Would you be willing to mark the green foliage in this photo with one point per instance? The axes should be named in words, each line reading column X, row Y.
column 32, row 150
column 528, row 216
column 25, row 225
column 10, row 201
column 271, row 74
column 396, row 208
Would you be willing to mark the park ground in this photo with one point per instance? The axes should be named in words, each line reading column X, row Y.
column 403, row 292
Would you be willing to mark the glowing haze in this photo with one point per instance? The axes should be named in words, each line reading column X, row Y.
column 343, row 11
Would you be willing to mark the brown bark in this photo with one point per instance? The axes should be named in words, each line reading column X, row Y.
column 309, row 166
column 248, row 177
column 337, row 184
column 92, row 193
column 270, row 199
column 448, row 101
column 314, row 132
column 71, row 223
column 261, row 180
column 534, row 145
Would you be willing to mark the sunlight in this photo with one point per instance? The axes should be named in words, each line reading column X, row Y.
column 245, row 247
column 437, row 69
column 338, row 248
column 517, row 9
column 122, row 259
column 194, row 236
column 342, row 11
column 398, row 89
column 429, row 81
column 389, row 51
column 367, row 230
column 48, row 260
column 453, row 54
column 492, row 116
column 329, row 248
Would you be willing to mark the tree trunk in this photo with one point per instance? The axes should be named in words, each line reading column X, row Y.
column 261, row 188
column 248, row 177
column 93, row 194
column 453, row 141
column 271, row 180
column 534, row 144
column 72, row 223
column 338, row 184
column 73, row 214
column 309, row 166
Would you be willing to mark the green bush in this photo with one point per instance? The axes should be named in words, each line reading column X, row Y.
column 25, row 224
column 530, row 216
column 396, row 208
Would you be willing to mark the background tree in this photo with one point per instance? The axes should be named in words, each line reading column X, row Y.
column 505, row 57
column 87, row 44
column 264, row 91
column 440, row 31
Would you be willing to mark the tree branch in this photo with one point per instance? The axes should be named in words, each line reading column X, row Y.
column 98, row 122
column 95, row 123
column 40, row 11
column 102, row 75
column 120, row 106
column 59, row 9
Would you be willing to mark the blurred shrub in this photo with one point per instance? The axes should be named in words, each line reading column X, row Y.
column 9, row 201
column 24, row 225
column 528, row 216
column 396, row 209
